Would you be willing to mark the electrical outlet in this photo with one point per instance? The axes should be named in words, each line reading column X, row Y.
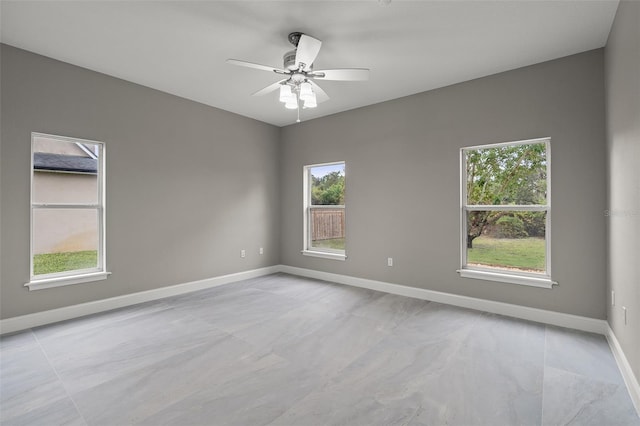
column 624, row 310
column 389, row 261
column 613, row 298
column 261, row 251
column 243, row 253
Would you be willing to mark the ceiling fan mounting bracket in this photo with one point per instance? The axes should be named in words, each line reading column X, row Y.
column 294, row 37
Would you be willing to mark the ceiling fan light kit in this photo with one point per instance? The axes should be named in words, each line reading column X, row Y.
column 298, row 86
column 292, row 95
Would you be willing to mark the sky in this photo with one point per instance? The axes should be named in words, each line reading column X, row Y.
column 320, row 171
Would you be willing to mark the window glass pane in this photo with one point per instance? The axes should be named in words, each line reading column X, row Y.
column 327, row 184
column 327, row 228
column 64, row 240
column 507, row 240
column 65, row 188
column 507, row 175
column 64, row 172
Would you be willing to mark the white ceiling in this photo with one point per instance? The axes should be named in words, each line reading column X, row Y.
column 180, row 47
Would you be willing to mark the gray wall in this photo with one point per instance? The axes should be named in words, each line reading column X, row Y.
column 402, row 187
column 623, row 144
column 188, row 185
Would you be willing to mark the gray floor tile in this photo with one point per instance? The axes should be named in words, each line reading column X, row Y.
column 288, row 329
column 437, row 322
column 345, row 299
column 250, row 399
column 287, row 350
column 508, row 338
column 18, row 341
column 334, row 346
column 234, row 311
column 30, row 390
column 391, row 310
column 478, row 387
column 97, row 321
column 383, row 386
column 59, row 412
column 581, row 353
column 142, row 394
column 572, row 399
column 291, row 286
column 89, row 357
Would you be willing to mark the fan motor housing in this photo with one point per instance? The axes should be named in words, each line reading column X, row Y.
column 289, row 60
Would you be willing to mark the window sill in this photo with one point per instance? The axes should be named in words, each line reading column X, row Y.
column 542, row 282
column 325, row 255
column 69, row 280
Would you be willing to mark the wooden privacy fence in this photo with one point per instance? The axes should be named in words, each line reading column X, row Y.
column 327, row 223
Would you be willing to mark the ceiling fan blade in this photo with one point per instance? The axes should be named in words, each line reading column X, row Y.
column 307, row 51
column 270, row 88
column 344, row 74
column 321, row 95
column 256, row 66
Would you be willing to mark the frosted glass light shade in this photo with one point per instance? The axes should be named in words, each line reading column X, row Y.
column 305, row 91
column 292, row 102
column 285, row 93
column 311, row 102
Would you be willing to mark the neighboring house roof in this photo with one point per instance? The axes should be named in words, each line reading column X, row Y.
column 64, row 163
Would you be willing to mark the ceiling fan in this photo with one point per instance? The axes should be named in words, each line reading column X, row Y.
column 298, row 86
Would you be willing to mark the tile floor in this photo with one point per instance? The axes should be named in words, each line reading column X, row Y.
column 285, row 350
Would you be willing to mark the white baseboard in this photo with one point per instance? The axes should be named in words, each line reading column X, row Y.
column 576, row 322
column 625, row 368
column 23, row 322
column 532, row 314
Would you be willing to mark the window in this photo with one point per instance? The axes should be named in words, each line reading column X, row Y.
column 324, row 217
column 505, row 212
column 67, row 211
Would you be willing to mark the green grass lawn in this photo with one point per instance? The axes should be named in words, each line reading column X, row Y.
column 333, row 243
column 522, row 253
column 59, row 262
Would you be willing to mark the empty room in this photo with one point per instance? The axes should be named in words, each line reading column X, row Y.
column 376, row 212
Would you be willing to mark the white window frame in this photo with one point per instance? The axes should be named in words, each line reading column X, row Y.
column 37, row 282
column 326, row 253
column 542, row 280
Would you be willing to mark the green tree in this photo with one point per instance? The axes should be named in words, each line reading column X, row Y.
column 534, row 223
column 506, row 175
column 328, row 189
column 511, row 227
